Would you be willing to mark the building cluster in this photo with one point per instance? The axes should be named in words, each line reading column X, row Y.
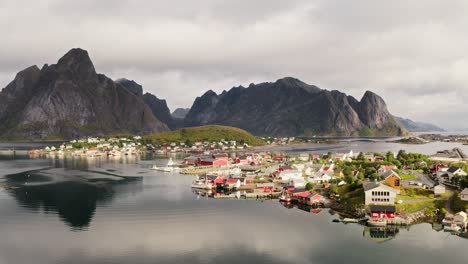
column 198, row 146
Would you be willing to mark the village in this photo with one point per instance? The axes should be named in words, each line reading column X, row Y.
column 376, row 189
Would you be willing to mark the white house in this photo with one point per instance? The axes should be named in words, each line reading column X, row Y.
column 304, row 156
column 460, row 219
column 379, row 194
column 298, row 183
column 439, row 189
column 464, row 195
column 455, row 171
column 321, row 178
column 288, row 175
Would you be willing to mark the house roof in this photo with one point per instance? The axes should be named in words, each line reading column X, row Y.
column 383, row 208
column 302, row 194
column 389, row 173
column 232, row 180
column 453, row 169
column 372, row 185
column 465, row 191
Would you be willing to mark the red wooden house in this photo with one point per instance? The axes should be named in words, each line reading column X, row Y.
column 382, row 211
column 212, row 162
column 278, row 158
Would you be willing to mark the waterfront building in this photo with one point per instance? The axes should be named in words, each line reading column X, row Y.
column 379, row 194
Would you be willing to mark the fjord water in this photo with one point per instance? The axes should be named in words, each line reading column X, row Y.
column 85, row 210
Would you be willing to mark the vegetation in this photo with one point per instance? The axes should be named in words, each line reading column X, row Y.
column 404, row 176
column 203, row 133
column 309, row 186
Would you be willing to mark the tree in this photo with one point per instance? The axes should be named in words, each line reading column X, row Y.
column 361, row 156
column 389, row 157
column 309, row 186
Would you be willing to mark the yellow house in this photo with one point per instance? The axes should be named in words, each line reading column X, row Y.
column 392, row 179
column 338, row 173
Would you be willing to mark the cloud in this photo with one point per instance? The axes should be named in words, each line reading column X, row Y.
column 402, row 50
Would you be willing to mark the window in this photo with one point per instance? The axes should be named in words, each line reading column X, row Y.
column 397, row 182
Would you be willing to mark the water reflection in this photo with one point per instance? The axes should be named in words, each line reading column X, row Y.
column 380, row 234
column 72, row 194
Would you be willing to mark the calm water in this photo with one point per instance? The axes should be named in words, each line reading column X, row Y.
column 100, row 211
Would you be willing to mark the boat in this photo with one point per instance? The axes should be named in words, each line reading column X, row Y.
column 285, row 198
column 350, row 220
column 169, row 167
column 163, row 169
column 202, row 183
column 375, row 222
column 452, row 228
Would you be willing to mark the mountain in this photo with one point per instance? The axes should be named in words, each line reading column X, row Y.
column 292, row 107
column 180, row 113
column 131, row 86
column 203, row 133
column 413, row 126
column 68, row 100
column 158, row 106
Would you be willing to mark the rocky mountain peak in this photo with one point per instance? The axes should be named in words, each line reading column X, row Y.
column 76, row 61
column 131, row 86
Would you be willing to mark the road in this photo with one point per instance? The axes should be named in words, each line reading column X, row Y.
column 421, row 177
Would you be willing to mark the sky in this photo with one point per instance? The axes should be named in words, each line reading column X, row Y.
column 412, row 53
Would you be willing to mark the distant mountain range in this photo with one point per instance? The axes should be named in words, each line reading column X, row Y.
column 69, row 100
column 413, row 126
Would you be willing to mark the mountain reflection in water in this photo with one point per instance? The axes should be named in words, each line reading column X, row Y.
column 72, row 194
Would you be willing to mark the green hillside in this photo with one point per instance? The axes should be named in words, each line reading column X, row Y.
column 204, row 133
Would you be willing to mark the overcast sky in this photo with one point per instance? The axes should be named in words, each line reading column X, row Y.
column 412, row 53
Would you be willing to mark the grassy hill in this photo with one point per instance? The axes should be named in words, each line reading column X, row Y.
column 204, row 133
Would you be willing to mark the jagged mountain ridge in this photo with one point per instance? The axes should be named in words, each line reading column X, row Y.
column 292, row 107
column 158, row 106
column 68, row 100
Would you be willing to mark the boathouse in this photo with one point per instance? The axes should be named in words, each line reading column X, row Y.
column 382, row 211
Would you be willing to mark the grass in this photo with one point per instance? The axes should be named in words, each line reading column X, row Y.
column 408, row 176
column 459, row 205
column 412, row 207
column 415, row 193
column 204, row 133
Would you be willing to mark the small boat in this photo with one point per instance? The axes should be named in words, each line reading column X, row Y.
column 163, row 169
column 202, row 185
column 285, row 198
column 350, row 220
column 452, row 228
column 375, row 222
column 169, row 167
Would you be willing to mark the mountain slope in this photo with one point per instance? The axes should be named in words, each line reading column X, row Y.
column 180, row 113
column 413, row 126
column 157, row 106
column 291, row 107
column 69, row 99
